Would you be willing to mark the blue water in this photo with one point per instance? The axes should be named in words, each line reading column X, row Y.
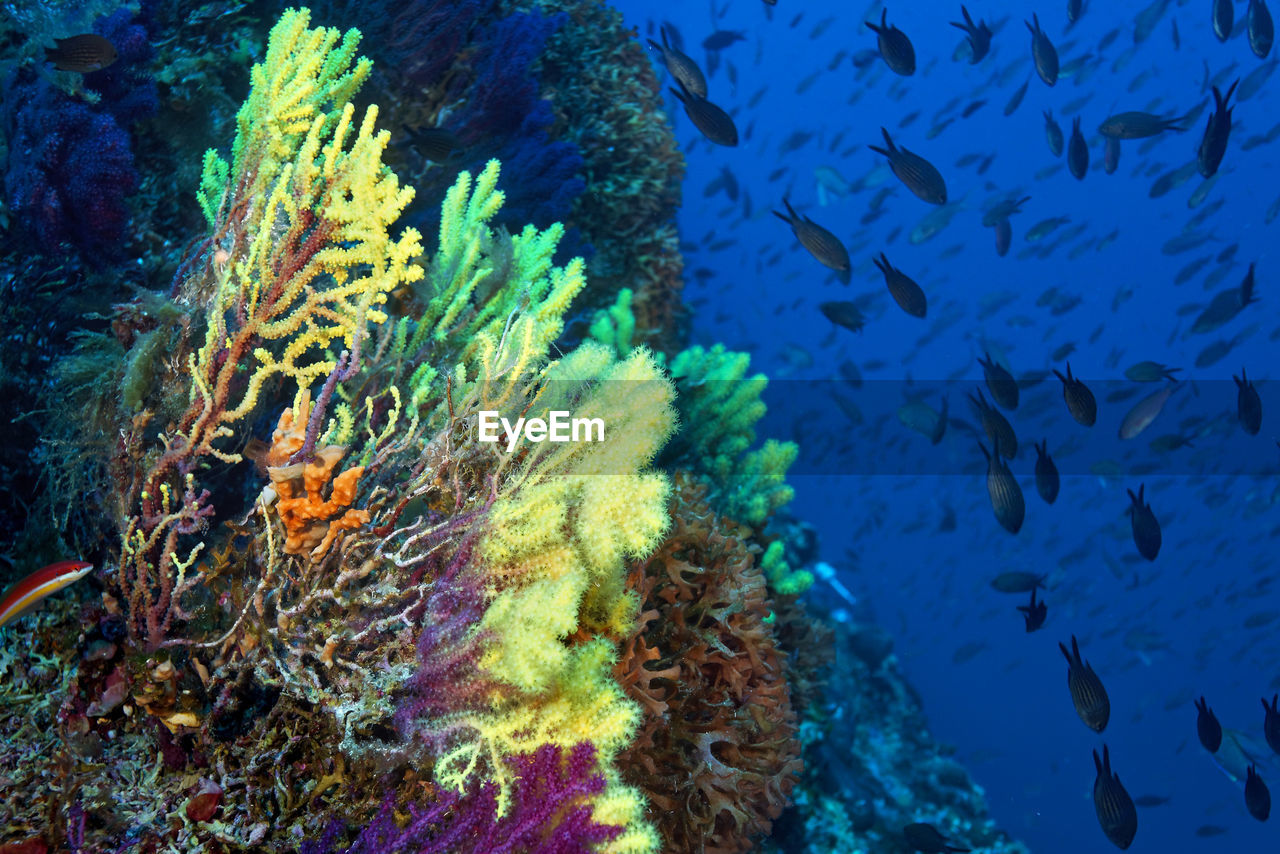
column 1159, row 634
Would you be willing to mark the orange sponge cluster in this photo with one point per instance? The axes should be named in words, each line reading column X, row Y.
column 311, row 521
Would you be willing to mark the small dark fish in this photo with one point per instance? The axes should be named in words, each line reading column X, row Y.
column 1150, row 372
column 917, row 174
column 1271, row 722
column 1138, row 125
column 1016, row 100
column 435, row 144
column 844, row 314
column 1146, row 530
column 1111, row 155
column 1053, row 133
column 1003, row 490
column 894, row 46
column 1077, row 151
column 1075, row 8
column 1047, row 480
column 979, row 36
column 1017, row 581
column 1206, row 831
column 681, row 67
column 1044, row 53
column 820, row 242
column 1213, row 145
column 1080, row 401
column 1207, row 727
column 1224, row 16
column 1223, row 308
column 1116, row 813
column 1004, row 237
column 925, row 838
column 926, row 421
column 1257, row 797
column 1177, row 39
column 1035, row 613
column 1004, row 210
column 1246, row 288
column 1248, row 405
column 721, row 39
column 1001, row 384
column 1152, row 800
column 1262, row 31
column 1087, row 693
column 995, row 425
column 1139, row 418
column 714, row 123
column 81, row 54
column 905, row 292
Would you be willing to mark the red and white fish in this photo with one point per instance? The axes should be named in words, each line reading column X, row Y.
column 32, row 590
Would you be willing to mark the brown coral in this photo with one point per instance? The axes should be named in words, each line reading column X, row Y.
column 311, row 522
column 717, row 752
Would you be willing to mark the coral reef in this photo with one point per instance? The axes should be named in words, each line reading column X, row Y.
column 327, row 614
column 866, row 739
column 300, row 607
column 605, row 91
column 717, row 752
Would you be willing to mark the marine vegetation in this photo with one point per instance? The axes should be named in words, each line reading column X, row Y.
column 329, row 605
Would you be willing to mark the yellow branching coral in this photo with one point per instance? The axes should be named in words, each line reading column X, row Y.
column 300, row 258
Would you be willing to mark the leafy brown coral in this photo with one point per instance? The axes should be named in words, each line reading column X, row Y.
column 717, row 752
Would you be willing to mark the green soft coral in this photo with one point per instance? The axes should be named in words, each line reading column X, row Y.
column 781, row 577
column 615, row 326
column 719, row 405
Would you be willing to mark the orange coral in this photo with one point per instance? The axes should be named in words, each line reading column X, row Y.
column 716, row 752
column 308, row 517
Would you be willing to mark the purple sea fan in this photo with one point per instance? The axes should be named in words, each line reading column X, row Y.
column 449, row 646
column 550, row 813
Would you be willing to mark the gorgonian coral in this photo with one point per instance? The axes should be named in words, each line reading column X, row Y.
column 551, row 814
column 717, row 753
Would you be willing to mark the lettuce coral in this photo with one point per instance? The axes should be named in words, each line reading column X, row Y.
column 717, row 751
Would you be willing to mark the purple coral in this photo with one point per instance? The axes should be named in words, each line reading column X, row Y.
column 449, row 647
column 550, row 813
column 70, row 165
column 506, row 117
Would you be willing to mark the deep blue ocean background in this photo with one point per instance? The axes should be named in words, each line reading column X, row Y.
column 1203, row 617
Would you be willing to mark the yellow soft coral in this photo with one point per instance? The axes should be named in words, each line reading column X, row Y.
column 553, row 553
